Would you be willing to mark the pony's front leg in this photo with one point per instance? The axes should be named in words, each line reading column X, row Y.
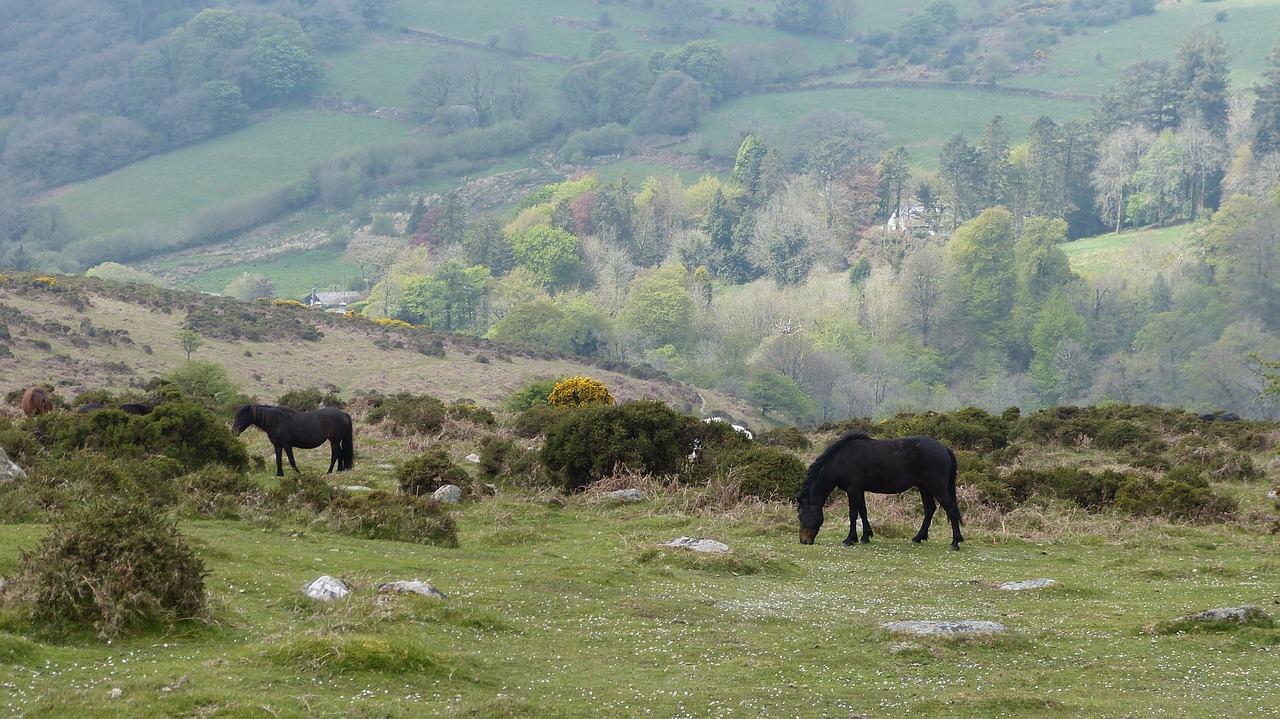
column 930, row 506
column 279, row 462
column 858, row 509
column 334, row 456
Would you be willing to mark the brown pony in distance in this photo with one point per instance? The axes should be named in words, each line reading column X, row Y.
column 36, row 401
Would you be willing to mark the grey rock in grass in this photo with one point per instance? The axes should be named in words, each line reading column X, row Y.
column 1028, row 584
column 925, row 628
column 326, row 589
column 627, row 495
column 357, row 488
column 1247, row 613
column 473, row 458
column 411, row 587
column 448, row 494
column 9, row 471
column 698, row 544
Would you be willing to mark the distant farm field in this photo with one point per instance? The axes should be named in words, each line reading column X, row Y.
column 162, row 190
column 1152, row 249
column 922, row 118
column 1091, row 61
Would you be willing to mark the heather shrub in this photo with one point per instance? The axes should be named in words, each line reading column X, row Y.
column 215, row 491
column 788, row 437
column 504, row 460
column 395, row 517
column 306, row 400
column 407, row 413
column 1182, row 493
column 429, row 471
column 535, row 420
column 111, row 566
column 470, row 412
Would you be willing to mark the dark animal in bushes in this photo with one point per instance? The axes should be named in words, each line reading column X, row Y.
column 1223, row 417
column 36, row 401
column 307, row 430
column 858, row 464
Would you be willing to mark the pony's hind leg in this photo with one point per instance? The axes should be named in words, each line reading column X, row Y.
column 334, row 456
column 289, row 451
column 952, row 508
column 930, row 506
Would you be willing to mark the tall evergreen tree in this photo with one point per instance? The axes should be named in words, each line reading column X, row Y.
column 959, row 163
column 993, row 163
column 895, row 172
column 1266, row 109
column 1202, row 74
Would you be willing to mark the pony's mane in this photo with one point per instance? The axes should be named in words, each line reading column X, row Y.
column 815, row 469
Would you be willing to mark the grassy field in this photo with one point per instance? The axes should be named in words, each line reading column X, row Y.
column 570, row 609
column 918, row 117
column 164, row 189
column 1091, row 62
column 1152, row 250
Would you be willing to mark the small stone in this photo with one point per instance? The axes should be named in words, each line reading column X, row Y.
column 1028, row 584
column 326, row 589
column 923, row 628
column 627, row 495
column 698, row 544
column 473, row 457
column 410, row 587
column 448, row 494
column 357, row 488
column 115, row 693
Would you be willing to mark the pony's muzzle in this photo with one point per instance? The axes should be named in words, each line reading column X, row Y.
column 807, row 536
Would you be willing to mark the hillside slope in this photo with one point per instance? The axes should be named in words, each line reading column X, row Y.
column 80, row 334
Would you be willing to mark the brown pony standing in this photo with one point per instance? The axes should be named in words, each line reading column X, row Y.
column 36, row 401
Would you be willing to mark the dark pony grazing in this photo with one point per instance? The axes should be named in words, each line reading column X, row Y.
column 858, row 464
column 36, row 401
column 307, row 430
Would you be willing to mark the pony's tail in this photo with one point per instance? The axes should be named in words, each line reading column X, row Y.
column 348, row 448
column 951, row 481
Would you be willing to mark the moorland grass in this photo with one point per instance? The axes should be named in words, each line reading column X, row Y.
column 591, row 620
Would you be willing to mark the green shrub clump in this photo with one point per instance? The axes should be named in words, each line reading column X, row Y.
column 408, row 413
column 768, row 473
column 1182, row 493
column 306, row 400
column 592, row 442
column 112, row 566
column 395, row 517
column 429, row 471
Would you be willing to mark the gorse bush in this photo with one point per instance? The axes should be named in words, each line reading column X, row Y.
column 504, row 460
column 969, row 428
column 395, row 517
column 306, row 400
column 768, row 473
column 579, row 392
column 111, row 566
column 593, row 441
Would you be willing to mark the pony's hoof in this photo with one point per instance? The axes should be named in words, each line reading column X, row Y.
column 866, row 540
column 847, row 542
column 954, row 548
column 917, row 540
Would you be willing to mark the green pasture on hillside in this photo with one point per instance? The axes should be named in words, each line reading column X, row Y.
column 162, row 190
column 919, row 117
column 1091, row 61
column 1113, row 252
